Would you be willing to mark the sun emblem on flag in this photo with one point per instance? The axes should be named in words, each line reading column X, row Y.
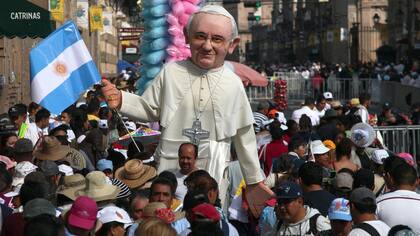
column 60, row 68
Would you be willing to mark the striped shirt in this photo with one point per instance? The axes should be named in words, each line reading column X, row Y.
column 259, row 118
column 124, row 189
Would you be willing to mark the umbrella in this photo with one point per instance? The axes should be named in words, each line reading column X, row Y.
column 249, row 76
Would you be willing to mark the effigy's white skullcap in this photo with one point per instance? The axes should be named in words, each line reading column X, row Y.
column 216, row 10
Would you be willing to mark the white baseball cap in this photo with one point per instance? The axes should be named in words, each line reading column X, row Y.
column 103, row 124
column 378, row 156
column 22, row 169
column 113, row 213
column 130, row 125
column 65, row 169
column 328, row 95
column 317, row 147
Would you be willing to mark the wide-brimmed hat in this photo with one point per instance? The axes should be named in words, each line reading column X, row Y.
column 134, row 174
column 71, row 185
column 98, row 188
column 51, row 149
column 362, row 135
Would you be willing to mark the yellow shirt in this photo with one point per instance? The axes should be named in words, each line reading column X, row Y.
column 93, row 117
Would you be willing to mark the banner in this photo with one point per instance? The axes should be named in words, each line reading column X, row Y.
column 107, row 23
column 330, row 36
column 344, row 33
column 56, row 7
column 82, row 14
column 95, row 18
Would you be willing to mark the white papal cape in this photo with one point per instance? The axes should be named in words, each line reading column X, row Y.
column 226, row 115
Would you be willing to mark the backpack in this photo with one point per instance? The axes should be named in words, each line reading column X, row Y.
column 312, row 225
column 368, row 228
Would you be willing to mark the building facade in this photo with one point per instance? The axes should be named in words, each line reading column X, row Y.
column 103, row 46
column 334, row 31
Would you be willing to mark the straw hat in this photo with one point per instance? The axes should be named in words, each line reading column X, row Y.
column 51, row 149
column 161, row 211
column 98, row 188
column 134, row 174
column 71, row 185
column 150, row 209
column 362, row 135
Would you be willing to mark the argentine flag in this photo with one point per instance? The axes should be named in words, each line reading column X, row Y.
column 61, row 69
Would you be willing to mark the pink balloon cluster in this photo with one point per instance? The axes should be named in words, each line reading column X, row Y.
column 181, row 10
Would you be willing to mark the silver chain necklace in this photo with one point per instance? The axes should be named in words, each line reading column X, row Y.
column 196, row 133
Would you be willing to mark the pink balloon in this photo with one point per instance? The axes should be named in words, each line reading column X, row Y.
column 189, row 8
column 183, row 19
column 178, row 8
column 173, row 30
column 172, row 20
column 195, row 2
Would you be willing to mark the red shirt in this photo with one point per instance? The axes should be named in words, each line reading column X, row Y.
column 273, row 150
column 13, row 225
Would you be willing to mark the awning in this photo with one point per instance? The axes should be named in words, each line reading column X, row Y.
column 122, row 65
column 19, row 18
column 249, row 76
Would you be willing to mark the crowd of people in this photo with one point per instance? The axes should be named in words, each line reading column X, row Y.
column 331, row 175
column 91, row 171
column 403, row 72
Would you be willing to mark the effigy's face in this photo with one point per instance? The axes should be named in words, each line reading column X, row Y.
column 210, row 40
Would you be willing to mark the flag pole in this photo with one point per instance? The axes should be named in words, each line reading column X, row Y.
column 128, row 132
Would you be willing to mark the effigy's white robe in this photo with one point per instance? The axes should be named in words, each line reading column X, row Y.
column 227, row 116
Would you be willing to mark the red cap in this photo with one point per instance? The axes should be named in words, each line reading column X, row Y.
column 83, row 213
column 207, row 211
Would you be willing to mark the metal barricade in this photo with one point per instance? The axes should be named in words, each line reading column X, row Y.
column 348, row 88
column 259, row 93
column 298, row 87
column 401, row 138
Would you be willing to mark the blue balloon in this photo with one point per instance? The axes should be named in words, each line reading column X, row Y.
column 147, row 3
column 146, row 13
column 152, row 72
column 154, row 57
column 160, row 10
column 159, row 44
column 157, row 32
column 143, row 84
column 155, row 22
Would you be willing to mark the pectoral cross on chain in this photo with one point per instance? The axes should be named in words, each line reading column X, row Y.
column 195, row 133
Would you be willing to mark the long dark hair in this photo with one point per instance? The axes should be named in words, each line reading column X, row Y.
column 105, row 228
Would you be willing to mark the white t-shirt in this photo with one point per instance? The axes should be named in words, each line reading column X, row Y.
column 320, row 113
column 401, row 207
column 34, row 133
column 181, row 190
column 310, row 113
column 380, row 226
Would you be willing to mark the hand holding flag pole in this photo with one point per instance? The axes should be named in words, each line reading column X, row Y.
column 113, row 97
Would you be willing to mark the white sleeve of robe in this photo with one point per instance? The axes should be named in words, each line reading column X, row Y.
column 244, row 142
column 145, row 108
